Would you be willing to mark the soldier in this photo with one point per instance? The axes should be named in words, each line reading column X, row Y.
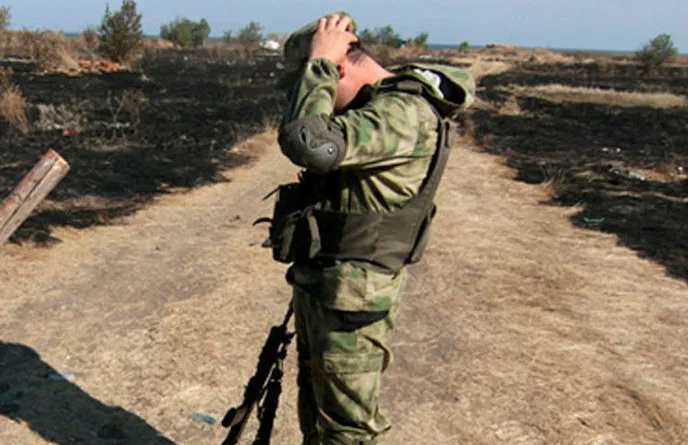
column 372, row 142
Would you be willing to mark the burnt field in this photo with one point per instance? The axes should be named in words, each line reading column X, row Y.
column 130, row 136
column 620, row 161
column 170, row 126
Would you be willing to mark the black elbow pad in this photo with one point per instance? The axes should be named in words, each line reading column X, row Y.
column 312, row 143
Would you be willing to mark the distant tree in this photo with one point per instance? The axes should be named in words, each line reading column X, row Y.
column 121, row 33
column 201, row 33
column 177, row 32
column 5, row 18
column 228, row 36
column 251, row 33
column 657, row 52
column 421, row 40
column 186, row 33
column 382, row 36
column 387, row 36
column 464, row 46
column 367, row 36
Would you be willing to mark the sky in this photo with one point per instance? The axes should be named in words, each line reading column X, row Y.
column 585, row 24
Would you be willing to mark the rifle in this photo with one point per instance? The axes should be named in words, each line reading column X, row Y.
column 265, row 386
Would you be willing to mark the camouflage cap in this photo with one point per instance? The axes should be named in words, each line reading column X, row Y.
column 297, row 48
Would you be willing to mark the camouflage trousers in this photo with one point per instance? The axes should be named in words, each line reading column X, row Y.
column 345, row 317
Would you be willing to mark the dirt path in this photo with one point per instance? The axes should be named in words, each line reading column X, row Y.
column 517, row 328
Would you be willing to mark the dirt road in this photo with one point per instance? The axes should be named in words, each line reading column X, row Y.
column 517, row 328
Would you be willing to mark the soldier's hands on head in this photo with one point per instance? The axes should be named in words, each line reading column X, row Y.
column 332, row 39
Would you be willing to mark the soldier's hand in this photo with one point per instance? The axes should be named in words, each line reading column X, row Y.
column 332, row 39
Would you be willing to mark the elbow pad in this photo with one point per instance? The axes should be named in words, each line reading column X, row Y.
column 312, row 143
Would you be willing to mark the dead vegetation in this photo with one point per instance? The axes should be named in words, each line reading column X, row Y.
column 5, row 78
column 12, row 103
column 50, row 50
column 565, row 93
column 72, row 117
column 13, row 109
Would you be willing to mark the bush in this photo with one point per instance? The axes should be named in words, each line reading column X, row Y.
column 382, row 36
column 5, row 78
column 367, row 36
column 420, row 41
column 5, row 18
column 228, row 36
column 464, row 46
column 251, row 33
column 5, row 42
column 120, row 33
column 62, row 117
column 89, row 37
column 186, row 33
column 13, row 109
column 46, row 48
column 657, row 52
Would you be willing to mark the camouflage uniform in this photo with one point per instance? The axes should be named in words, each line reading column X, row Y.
column 345, row 312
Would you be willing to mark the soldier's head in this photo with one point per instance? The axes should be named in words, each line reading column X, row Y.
column 358, row 67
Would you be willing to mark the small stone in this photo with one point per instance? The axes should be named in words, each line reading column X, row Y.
column 203, row 418
column 61, row 377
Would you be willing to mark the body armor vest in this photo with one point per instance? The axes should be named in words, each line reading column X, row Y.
column 303, row 230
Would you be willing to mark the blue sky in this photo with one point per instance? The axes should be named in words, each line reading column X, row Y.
column 591, row 24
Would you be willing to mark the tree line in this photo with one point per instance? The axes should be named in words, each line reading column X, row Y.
column 120, row 34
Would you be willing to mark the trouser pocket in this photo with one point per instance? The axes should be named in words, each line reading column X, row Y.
column 347, row 390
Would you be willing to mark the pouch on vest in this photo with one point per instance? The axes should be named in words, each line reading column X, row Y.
column 292, row 224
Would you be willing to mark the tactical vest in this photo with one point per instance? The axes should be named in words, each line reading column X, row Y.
column 303, row 232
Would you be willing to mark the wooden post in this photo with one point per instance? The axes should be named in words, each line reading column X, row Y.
column 33, row 189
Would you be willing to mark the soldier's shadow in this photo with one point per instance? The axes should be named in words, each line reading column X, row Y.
column 33, row 393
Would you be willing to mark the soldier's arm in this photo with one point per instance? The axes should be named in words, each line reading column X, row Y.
column 383, row 133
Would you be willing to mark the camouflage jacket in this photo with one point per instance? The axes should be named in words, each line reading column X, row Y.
column 391, row 137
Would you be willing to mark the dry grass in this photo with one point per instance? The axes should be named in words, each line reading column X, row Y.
column 13, row 109
column 62, row 117
column 505, row 54
column 89, row 40
column 5, row 78
column 5, row 39
column 481, row 68
column 563, row 93
column 212, row 52
column 49, row 49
